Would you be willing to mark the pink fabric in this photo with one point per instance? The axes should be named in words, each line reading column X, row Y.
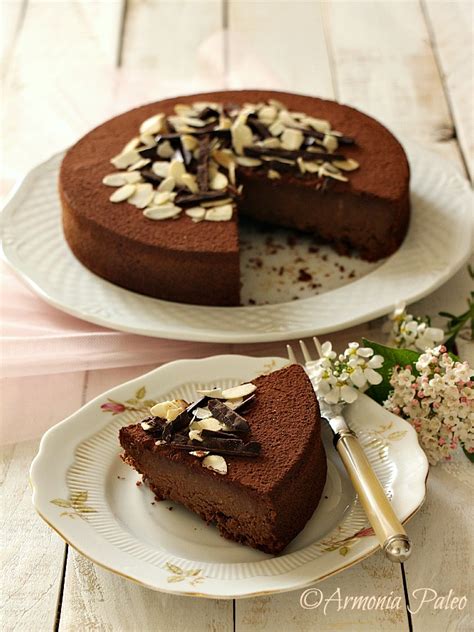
column 38, row 339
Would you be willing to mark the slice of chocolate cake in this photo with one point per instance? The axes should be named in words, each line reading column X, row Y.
column 255, row 468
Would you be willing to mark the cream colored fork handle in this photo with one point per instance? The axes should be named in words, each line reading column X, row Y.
column 388, row 529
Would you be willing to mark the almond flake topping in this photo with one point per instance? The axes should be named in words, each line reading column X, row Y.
column 189, row 162
column 215, row 463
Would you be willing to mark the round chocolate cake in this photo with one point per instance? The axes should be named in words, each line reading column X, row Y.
column 151, row 198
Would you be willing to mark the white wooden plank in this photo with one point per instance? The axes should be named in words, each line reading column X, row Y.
column 452, row 36
column 97, row 599
column 33, row 554
column 386, row 67
column 60, row 80
column 374, row 576
column 30, row 405
column 173, row 46
column 444, row 549
column 11, row 16
column 279, row 45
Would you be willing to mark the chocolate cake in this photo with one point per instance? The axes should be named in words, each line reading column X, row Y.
column 261, row 492
column 186, row 167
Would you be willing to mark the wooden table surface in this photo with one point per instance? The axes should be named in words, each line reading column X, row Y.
column 67, row 66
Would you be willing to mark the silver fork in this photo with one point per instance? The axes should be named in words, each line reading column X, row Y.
column 388, row 529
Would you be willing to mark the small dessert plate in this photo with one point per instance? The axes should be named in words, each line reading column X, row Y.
column 332, row 292
column 84, row 491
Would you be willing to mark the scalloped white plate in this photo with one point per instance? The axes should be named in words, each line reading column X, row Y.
column 437, row 244
column 83, row 490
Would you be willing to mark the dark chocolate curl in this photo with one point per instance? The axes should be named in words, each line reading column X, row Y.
column 230, row 418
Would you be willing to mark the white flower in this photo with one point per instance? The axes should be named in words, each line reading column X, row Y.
column 439, row 403
column 337, row 379
column 408, row 332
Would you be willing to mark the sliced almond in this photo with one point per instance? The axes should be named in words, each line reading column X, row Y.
column 161, row 409
column 208, row 423
column 215, row 393
column 202, row 413
column 223, row 157
column 122, row 194
column 311, row 167
column 167, row 184
column 301, row 164
column 132, row 177
column 189, row 182
column 346, row 165
column 196, row 213
column 326, row 169
column 148, row 140
column 267, row 114
column 125, row 159
column 239, row 391
column 165, row 150
column 273, row 175
column 286, row 119
column 164, row 211
column 142, row 195
column 219, row 213
column 271, row 143
column 139, row 164
column 276, row 104
column 218, row 182
column 132, row 144
column 320, row 125
column 195, row 435
column 330, row 142
column 183, row 109
column 215, row 463
column 199, row 453
column 213, row 203
column 292, row 139
column 114, row 179
column 153, row 124
column 177, row 170
column 241, row 136
column 146, row 425
column 276, row 128
column 246, row 161
column 162, row 197
column 161, row 168
column 189, row 142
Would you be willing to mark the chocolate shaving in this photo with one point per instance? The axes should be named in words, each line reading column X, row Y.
column 290, row 154
column 149, row 152
column 208, row 113
column 230, row 418
column 150, row 176
column 203, row 163
column 230, row 447
column 342, row 140
column 195, row 198
column 258, row 127
column 202, row 131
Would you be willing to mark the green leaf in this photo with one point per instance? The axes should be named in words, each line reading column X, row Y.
column 175, row 578
column 140, row 394
column 392, row 357
column 470, row 455
column 149, row 403
column 60, row 502
column 131, row 401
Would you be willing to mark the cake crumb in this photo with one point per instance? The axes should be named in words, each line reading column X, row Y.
column 138, row 483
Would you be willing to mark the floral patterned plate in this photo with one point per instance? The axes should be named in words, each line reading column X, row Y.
column 83, row 490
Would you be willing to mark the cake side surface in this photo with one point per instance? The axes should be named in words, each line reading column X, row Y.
column 265, row 501
column 376, row 194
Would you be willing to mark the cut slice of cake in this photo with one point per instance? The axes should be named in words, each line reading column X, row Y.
column 255, row 468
